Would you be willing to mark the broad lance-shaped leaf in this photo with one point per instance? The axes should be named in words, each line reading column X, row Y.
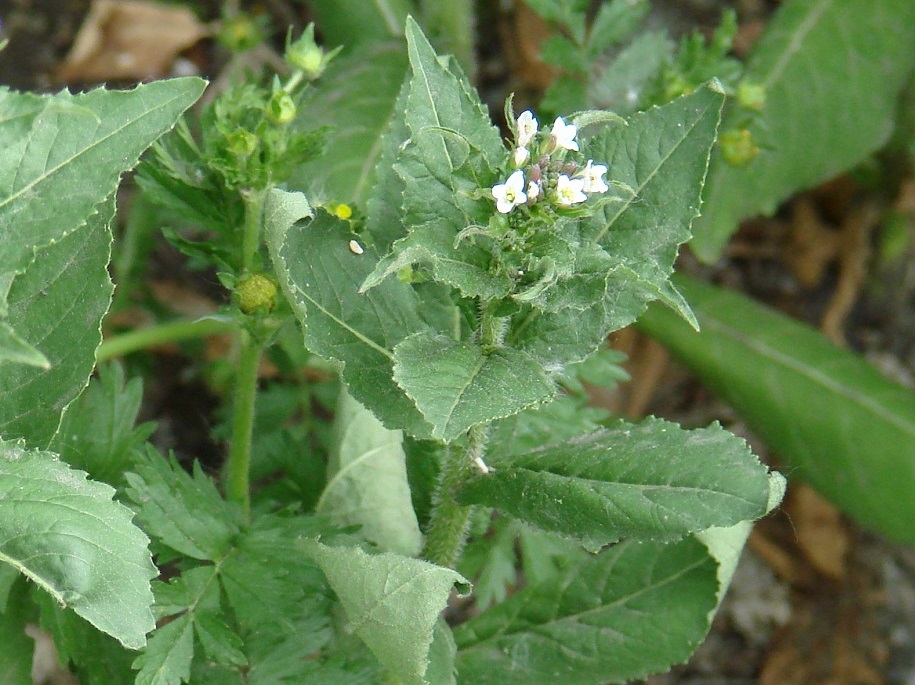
column 367, row 480
column 67, row 535
column 832, row 71
column 356, row 96
column 62, row 154
column 635, row 609
column 651, row 480
column 58, row 304
column 657, row 167
column 391, row 602
column 320, row 276
column 456, row 386
column 835, row 420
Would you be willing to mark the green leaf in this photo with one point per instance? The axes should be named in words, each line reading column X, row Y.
column 832, row 72
column 658, row 163
column 441, row 656
column 321, row 276
column 621, row 85
column 367, row 481
column 168, row 656
column 219, row 642
column 352, row 22
column 18, row 648
column 357, row 96
column 14, row 349
column 456, row 386
column 391, row 602
column 182, row 511
column 651, row 480
column 62, row 154
column 65, row 534
column 57, row 304
column 590, row 626
column 615, row 21
column 97, row 433
column 836, row 421
column 490, row 561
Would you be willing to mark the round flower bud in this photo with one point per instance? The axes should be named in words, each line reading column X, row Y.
column 255, row 293
column 241, row 142
column 281, row 108
column 737, row 147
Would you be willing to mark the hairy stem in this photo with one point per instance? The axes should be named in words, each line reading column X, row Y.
column 239, row 463
column 251, row 240
column 449, row 519
column 161, row 334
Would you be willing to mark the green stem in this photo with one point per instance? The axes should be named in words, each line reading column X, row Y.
column 449, row 520
column 251, row 241
column 160, row 334
column 239, row 463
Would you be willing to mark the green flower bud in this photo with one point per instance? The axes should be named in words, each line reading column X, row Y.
column 281, row 108
column 255, row 293
column 240, row 33
column 737, row 147
column 751, row 95
column 241, row 143
column 307, row 56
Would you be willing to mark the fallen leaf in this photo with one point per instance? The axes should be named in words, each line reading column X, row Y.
column 129, row 39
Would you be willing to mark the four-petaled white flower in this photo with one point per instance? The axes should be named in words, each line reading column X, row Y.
column 569, row 190
column 564, row 134
column 592, row 175
column 521, row 155
column 511, row 193
column 533, row 191
column 527, row 128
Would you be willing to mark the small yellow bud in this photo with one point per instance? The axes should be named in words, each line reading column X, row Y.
column 254, row 293
column 343, row 211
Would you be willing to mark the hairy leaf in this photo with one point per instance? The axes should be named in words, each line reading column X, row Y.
column 367, row 481
column 62, row 154
column 168, row 656
column 391, row 602
column 321, row 276
column 651, row 480
column 66, row 534
column 590, row 625
column 456, row 386
column 836, row 421
column 832, row 71
column 57, row 303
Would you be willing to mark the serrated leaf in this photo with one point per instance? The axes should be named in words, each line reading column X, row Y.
column 57, row 304
column 835, row 419
column 182, row 511
column 832, row 73
column 219, row 642
column 391, row 602
column 651, row 480
column 589, row 626
column 66, row 534
column 62, row 154
column 620, row 85
column 614, row 22
column 367, row 481
column 97, row 432
column 658, row 163
column 168, row 656
column 357, row 95
column 456, row 386
column 321, row 276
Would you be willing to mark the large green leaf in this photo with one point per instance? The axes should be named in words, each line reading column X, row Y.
column 57, row 304
column 62, row 154
column 831, row 416
column 66, row 534
column 367, row 480
column 633, row 610
column 391, row 602
column 18, row 648
column 647, row 480
column 353, row 22
column 321, row 276
column 457, row 386
column 832, row 70
column 357, row 97
column 657, row 166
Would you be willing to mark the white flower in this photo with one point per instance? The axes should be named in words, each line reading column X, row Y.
column 593, row 178
column 533, row 191
column 564, row 134
column 511, row 193
column 522, row 154
column 527, row 128
column 569, row 190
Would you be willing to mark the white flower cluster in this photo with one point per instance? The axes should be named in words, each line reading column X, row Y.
column 527, row 185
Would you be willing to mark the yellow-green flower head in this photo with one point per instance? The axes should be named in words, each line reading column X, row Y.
column 255, row 293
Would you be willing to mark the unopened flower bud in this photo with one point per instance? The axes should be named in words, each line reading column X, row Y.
column 738, row 147
column 241, row 142
column 307, row 56
column 281, row 108
column 254, row 293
